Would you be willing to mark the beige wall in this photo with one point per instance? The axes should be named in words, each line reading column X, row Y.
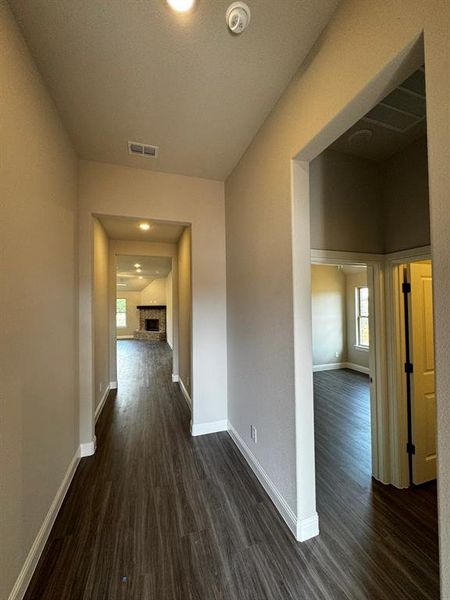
column 364, row 51
column 185, row 309
column 346, row 205
column 328, row 296
column 170, row 308
column 121, row 191
column 354, row 355
column 406, row 218
column 101, row 312
column 360, row 205
column 155, row 292
column 39, row 420
column 133, row 301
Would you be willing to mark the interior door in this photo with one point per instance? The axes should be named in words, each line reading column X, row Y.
column 423, row 399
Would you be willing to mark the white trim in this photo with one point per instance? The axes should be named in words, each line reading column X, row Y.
column 88, row 449
column 420, row 253
column 396, row 379
column 361, row 348
column 329, row 367
column 303, row 530
column 206, row 428
column 26, row 573
column 341, row 365
column 175, row 378
column 347, row 258
column 307, row 528
column 184, row 392
column 352, row 258
column 125, row 337
column 113, row 385
column 101, row 404
column 355, row 367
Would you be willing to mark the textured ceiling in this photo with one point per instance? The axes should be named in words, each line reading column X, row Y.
column 152, row 267
column 396, row 122
column 134, row 70
column 124, row 228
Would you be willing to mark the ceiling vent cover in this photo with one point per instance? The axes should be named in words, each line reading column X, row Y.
column 143, row 149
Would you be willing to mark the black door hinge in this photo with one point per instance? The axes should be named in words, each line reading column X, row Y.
column 409, row 368
column 406, row 287
column 410, row 448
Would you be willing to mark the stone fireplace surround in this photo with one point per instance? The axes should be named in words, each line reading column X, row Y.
column 151, row 311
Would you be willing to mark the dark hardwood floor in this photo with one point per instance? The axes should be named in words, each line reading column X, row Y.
column 159, row 515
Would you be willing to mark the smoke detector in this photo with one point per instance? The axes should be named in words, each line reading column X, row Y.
column 238, row 17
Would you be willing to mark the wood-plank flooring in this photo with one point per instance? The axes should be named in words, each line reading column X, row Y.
column 159, row 515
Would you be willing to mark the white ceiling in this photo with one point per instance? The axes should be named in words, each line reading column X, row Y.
column 123, row 70
column 123, row 228
column 396, row 122
column 152, row 267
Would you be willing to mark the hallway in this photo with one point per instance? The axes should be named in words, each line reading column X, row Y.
column 156, row 514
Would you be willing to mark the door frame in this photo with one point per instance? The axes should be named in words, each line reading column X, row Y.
column 395, row 332
column 379, row 409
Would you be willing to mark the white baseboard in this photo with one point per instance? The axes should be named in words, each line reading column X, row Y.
column 307, row 528
column 113, row 385
column 101, row 404
column 359, row 368
column 26, row 573
column 302, row 529
column 88, row 449
column 185, row 393
column 329, row 367
column 211, row 427
column 341, row 365
column 175, row 378
column 125, row 337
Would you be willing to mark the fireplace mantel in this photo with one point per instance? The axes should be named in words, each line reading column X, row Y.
column 150, row 306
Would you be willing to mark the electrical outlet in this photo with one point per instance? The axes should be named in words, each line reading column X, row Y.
column 101, row 387
column 337, row 354
column 254, row 433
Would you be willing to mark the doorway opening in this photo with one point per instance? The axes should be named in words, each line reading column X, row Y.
column 415, row 366
column 142, row 299
column 344, row 364
column 364, row 198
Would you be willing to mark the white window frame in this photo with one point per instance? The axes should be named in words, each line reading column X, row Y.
column 122, row 313
column 358, row 317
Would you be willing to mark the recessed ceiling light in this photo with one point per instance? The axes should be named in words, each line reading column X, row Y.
column 140, row 277
column 138, row 270
column 144, row 226
column 137, row 265
column 181, row 5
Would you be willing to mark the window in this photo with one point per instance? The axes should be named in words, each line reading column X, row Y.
column 362, row 316
column 121, row 312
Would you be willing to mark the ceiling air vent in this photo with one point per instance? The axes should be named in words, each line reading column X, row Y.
column 143, row 149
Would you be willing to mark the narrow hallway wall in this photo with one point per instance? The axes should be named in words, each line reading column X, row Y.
column 39, row 403
column 185, row 309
